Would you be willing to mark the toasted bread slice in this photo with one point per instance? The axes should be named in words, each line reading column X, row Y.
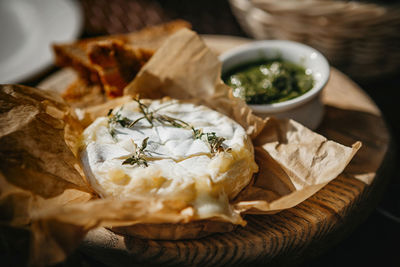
column 113, row 61
column 117, row 63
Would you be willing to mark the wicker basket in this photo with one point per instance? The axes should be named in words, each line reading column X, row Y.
column 361, row 39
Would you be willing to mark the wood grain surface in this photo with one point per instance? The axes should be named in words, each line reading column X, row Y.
column 293, row 235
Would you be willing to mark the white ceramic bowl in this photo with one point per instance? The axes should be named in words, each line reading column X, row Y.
column 307, row 108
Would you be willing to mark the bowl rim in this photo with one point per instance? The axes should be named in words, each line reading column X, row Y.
column 281, row 45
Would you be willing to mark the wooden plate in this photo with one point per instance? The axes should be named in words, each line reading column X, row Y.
column 292, row 235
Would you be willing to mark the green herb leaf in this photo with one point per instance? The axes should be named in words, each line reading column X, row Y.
column 215, row 142
column 197, row 133
column 138, row 156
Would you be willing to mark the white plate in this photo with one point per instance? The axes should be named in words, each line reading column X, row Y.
column 27, row 30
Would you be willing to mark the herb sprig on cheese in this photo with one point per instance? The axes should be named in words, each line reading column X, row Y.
column 117, row 118
column 138, row 157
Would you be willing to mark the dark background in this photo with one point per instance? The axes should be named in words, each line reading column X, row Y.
column 375, row 241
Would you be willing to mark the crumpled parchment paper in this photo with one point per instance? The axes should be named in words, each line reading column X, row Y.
column 43, row 188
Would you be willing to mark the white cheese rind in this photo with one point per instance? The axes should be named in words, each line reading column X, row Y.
column 180, row 167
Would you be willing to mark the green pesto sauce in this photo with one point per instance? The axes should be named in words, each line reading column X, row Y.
column 268, row 81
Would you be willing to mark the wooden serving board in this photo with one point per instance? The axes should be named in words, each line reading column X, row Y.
column 299, row 233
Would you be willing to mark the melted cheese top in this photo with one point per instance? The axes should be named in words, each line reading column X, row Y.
column 180, row 167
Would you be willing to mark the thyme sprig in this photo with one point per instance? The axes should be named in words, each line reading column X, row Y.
column 215, row 143
column 197, row 133
column 138, row 156
column 117, row 118
column 152, row 116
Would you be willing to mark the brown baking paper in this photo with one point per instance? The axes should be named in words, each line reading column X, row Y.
column 43, row 187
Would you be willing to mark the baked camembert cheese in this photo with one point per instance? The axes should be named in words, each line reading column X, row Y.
column 169, row 150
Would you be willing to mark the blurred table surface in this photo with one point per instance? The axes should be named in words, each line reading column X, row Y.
column 374, row 241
